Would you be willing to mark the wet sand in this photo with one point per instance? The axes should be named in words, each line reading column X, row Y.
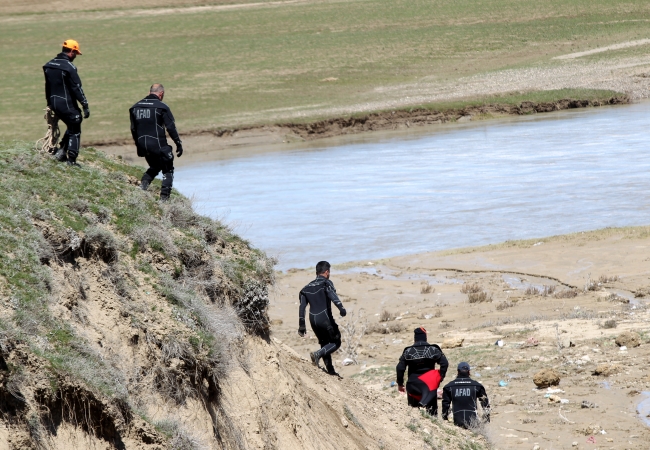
column 567, row 334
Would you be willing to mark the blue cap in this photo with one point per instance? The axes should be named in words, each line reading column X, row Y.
column 463, row 367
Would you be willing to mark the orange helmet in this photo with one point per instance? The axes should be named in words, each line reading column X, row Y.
column 72, row 45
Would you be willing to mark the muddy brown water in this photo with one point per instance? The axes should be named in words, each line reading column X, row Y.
column 375, row 196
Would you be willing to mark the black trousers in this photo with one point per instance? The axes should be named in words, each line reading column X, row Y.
column 160, row 161
column 71, row 141
column 329, row 337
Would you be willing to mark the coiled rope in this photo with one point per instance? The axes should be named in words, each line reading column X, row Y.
column 49, row 143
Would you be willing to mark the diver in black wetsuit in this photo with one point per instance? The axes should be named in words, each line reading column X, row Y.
column 320, row 294
column 423, row 379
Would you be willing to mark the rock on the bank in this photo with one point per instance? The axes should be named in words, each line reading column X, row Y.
column 546, row 377
column 628, row 339
column 452, row 342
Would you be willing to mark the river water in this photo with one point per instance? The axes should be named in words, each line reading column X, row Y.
column 457, row 186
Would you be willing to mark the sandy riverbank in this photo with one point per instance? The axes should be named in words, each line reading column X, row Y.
column 569, row 334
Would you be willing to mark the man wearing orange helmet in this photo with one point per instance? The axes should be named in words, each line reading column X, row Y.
column 62, row 92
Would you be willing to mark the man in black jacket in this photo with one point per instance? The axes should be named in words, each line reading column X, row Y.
column 62, row 92
column 423, row 380
column 462, row 394
column 320, row 294
column 149, row 119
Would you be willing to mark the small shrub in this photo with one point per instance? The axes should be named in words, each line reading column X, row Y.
column 566, row 293
column 180, row 438
column 79, row 205
column 504, row 305
column 100, row 242
column 530, row 290
column 471, row 288
column 180, row 213
column 155, row 238
column 386, row 316
column 437, row 313
column 479, row 297
column 604, row 279
column 426, row 288
column 610, row 323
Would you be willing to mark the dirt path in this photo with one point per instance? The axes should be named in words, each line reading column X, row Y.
column 569, row 334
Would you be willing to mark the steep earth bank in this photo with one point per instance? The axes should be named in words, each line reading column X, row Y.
column 126, row 323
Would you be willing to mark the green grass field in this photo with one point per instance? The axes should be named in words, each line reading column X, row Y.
column 257, row 64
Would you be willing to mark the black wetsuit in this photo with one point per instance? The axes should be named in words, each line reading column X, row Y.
column 62, row 92
column 320, row 294
column 149, row 119
column 462, row 394
column 420, row 359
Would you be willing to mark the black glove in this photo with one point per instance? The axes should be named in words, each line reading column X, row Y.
column 86, row 111
column 179, row 148
column 343, row 312
column 302, row 330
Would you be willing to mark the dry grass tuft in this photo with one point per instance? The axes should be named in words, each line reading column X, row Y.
column 377, row 328
column 505, row 305
column 479, row 297
column 566, row 293
column 604, row 279
column 426, row 288
column 100, row 242
column 386, row 316
column 471, row 288
column 610, row 323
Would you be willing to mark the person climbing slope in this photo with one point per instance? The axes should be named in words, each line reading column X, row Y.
column 319, row 295
column 463, row 395
column 423, row 378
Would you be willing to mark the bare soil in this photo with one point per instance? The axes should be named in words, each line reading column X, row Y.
column 573, row 335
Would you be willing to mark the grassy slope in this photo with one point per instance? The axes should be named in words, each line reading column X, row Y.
column 220, row 67
column 129, row 234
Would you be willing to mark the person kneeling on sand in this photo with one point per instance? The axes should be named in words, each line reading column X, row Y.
column 462, row 394
column 320, row 294
column 423, row 379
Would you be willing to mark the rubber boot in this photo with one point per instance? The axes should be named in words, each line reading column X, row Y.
column 164, row 197
column 61, row 155
column 315, row 357
column 144, row 184
column 329, row 367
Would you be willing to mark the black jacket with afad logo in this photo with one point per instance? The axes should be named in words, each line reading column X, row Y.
column 150, row 117
column 463, row 395
column 63, row 86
